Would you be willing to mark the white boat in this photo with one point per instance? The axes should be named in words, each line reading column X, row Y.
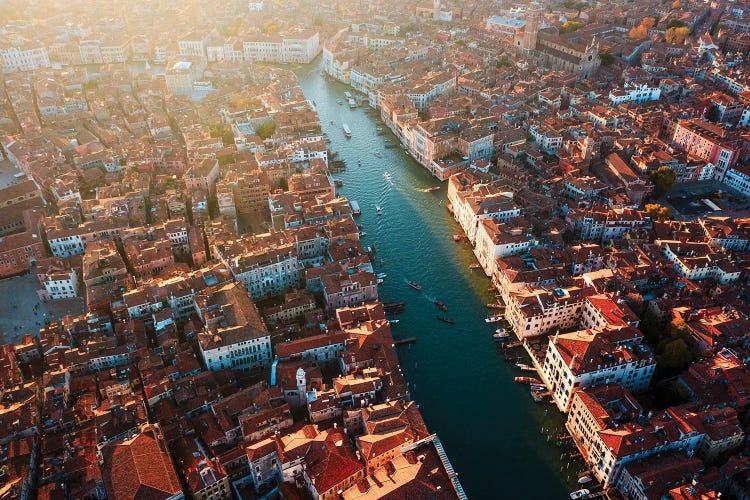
column 377, row 153
column 355, row 207
column 352, row 103
column 348, row 94
column 378, row 210
column 387, row 176
column 339, row 102
column 500, row 335
column 493, row 319
column 382, row 275
column 579, row 494
column 393, row 321
column 380, row 281
column 362, row 234
column 347, row 130
column 584, row 480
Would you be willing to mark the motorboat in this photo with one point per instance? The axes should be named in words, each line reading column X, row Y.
column 579, row 494
column 379, row 210
column 415, row 285
column 393, row 321
column 433, row 189
column 493, row 319
column 387, row 176
column 377, row 153
column 446, row 320
column 456, row 237
column 347, row 130
column 500, row 335
column 441, row 306
column 474, row 266
column 381, row 276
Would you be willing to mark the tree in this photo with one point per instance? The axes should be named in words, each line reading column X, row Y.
column 640, row 32
column 676, row 35
column 675, row 23
column 606, row 57
column 570, row 27
column 676, row 355
column 266, row 130
column 658, row 212
column 663, row 179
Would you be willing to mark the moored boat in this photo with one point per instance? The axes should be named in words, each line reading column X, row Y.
column 338, row 183
column 579, row 493
column 393, row 321
column 500, row 335
column 339, row 102
column 474, row 266
column 493, row 319
column 355, row 207
column 456, row 237
column 381, row 276
column 433, row 189
column 415, row 285
column 528, row 380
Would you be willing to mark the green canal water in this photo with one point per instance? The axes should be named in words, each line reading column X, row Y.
column 460, row 378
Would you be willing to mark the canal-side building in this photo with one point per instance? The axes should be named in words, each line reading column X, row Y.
column 586, row 358
column 537, row 311
column 610, row 429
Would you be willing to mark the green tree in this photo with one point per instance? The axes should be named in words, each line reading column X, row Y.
column 606, row 57
column 676, row 355
column 663, row 179
column 658, row 212
column 570, row 27
column 266, row 130
column 675, row 23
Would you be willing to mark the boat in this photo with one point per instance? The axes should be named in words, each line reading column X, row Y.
column 393, row 321
column 474, row 266
column 523, row 366
column 377, row 153
column 378, row 210
column 339, row 102
column 415, row 285
column 528, row 380
column 338, row 183
column 379, row 129
column 381, row 275
column 456, row 237
column 441, row 306
column 331, row 122
column 394, row 307
column 584, row 479
column 380, row 281
column 433, row 189
column 362, row 234
column 537, row 396
column 355, row 207
column 387, row 176
column 500, row 335
column 446, row 320
column 347, row 130
column 537, row 387
column 352, row 103
column 495, row 306
column 348, row 94
column 493, row 319
column 579, row 493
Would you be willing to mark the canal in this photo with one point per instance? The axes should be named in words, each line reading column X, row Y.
column 460, row 378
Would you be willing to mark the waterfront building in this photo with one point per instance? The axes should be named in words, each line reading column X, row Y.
column 586, row 358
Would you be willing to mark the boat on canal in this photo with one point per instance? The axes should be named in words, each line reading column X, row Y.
column 338, row 183
column 339, row 102
column 393, row 321
column 493, row 319
column 347, row 131
column 381, row 276
column 352, row 103
column 474, row 266
column 433, row 189
column 348, row 94
column 441, row 306
column 377, row 153
column 456, row 238
column 525, row 367
column 500, row 335
column 579, row 494
column 446, row 320
column 415, row 285
column 387, row 176
column 378, row 210
column 528, row 380
column 355, row 207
